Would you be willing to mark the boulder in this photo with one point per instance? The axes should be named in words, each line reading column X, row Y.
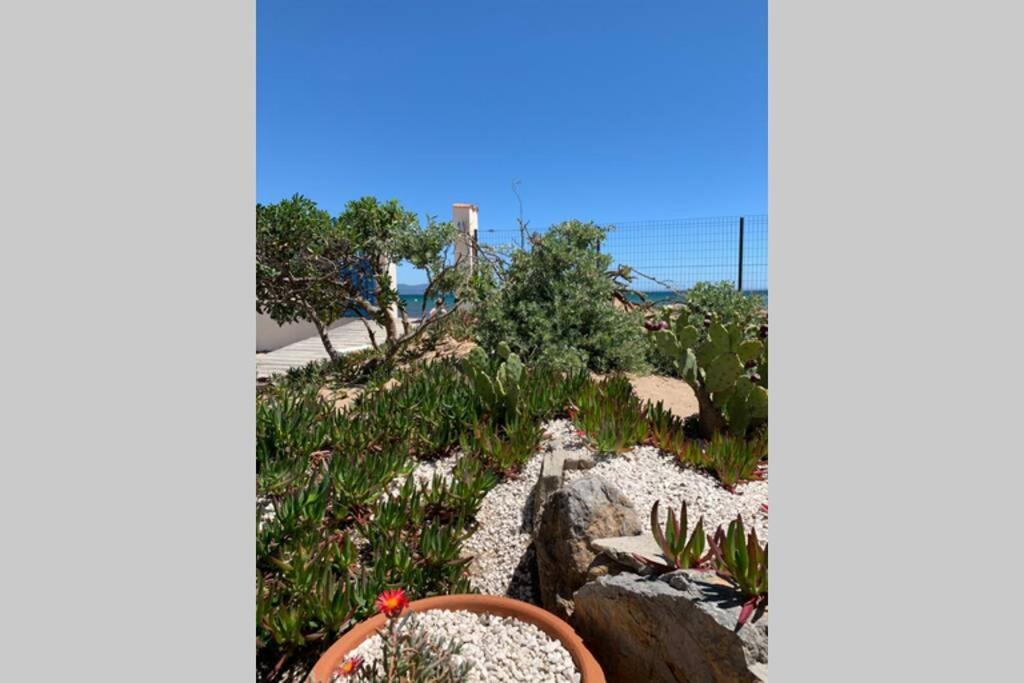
column 624, row 551
column 588, row 508
column 680, row 626
column 556, row 461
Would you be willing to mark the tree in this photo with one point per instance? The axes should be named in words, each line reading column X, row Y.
column 312, row 267
column 298, row 249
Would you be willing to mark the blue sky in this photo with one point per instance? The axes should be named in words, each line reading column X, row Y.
column 604, row 111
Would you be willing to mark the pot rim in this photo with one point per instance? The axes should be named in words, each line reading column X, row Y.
column 555, row 628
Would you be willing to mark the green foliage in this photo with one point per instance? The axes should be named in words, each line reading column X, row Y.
column 682, row 553
column 496, row 382
column 732, row 459
column 721, row 302
column 741, row 559
column 503, row 449
column 297, row 249
column 610, row 415
column 727, row 369
column 330, row 537
column 310, row 266
column 667, row 431
column 547, row 393
column 426, row 409
column 555, row 305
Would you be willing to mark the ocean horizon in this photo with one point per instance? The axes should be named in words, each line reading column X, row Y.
column 414, row 302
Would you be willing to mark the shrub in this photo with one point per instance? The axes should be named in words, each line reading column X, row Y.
column 610, row 415
column 555, row 305
column 721, row 302
column 742, row 561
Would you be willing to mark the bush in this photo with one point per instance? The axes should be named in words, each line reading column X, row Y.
column 555, row 306
column 721, row 302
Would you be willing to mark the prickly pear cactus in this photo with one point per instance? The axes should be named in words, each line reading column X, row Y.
column 727, row 369
column 497, row 388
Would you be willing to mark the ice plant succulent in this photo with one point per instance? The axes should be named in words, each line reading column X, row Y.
column 743, row 562
column 683, row 553
column 392, row 602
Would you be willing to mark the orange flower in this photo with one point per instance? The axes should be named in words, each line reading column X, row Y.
column 348, row 667
column 392, row 602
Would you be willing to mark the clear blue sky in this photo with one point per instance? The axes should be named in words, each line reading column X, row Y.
column 605, row 111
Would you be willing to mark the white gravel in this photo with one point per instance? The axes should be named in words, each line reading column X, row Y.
column 425, row 470
column 646, row 474
column 503, row 536
column 500, row 649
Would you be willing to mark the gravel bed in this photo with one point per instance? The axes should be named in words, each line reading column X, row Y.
column 646, row 474
column 500, row 649
column 500, row 545
column 424, row 472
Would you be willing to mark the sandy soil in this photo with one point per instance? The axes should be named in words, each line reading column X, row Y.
column 341, row 398
column 675, row 393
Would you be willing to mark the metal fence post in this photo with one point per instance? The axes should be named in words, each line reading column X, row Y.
column 739, row 275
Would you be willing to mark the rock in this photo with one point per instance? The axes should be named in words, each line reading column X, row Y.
column 676, row 627
column 622, row 549
column 589, row 508
column 557, row 459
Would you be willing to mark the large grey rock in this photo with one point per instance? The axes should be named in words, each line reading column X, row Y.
column 588, row 508
column 677, row 627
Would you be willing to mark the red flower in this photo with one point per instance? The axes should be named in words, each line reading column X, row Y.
column 392, row 602
column 348, row 667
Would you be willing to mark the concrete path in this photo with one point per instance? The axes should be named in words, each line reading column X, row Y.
column 349, row 336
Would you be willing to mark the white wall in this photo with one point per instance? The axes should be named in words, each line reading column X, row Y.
column 271, row 336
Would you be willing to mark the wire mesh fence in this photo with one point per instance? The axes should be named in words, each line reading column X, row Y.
column 676, row 254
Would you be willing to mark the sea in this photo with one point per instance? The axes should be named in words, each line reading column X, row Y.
column 414, row 302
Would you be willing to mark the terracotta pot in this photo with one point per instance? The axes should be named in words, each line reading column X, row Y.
column 590, row 671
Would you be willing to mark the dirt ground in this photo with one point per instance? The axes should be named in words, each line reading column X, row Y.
column 675, row 393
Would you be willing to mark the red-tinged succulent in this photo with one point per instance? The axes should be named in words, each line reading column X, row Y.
column 392, row 602
column 683, row 553
column 743, row 562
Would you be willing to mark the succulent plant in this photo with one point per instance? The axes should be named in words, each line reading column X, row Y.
column 732, row 459
column 496, row 381
column 610, row 415
column 667, row 431
column 742, row 561
column 682, row 552
column 726, row 367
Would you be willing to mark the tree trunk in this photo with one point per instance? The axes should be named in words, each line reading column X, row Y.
column 711, row 419
column 325, row 338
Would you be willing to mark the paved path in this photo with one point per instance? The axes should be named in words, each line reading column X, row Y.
column 349, row 336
